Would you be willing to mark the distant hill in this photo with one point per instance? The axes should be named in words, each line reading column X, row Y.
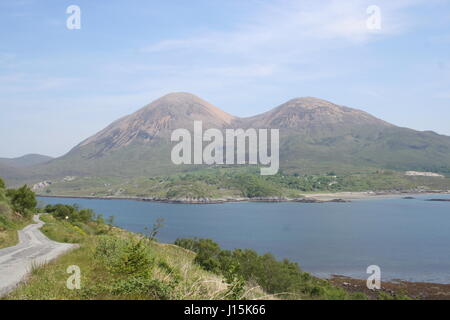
column 13, row 175
column 25, row 161
column 316, row 136
column 17, row 170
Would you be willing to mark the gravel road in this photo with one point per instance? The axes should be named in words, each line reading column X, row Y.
column 34, row 248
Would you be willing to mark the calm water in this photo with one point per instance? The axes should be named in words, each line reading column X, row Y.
column 408, row 239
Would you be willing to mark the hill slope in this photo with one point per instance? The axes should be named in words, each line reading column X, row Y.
column 138, row 144
column 316, row 136
column 25, row 161
column 319, row 134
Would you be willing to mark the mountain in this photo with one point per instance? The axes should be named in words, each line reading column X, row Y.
column 137, row 144
column 319, row 135
column 14, row 175
column 155, row 121
column 315, row 117
column 316, row 136
column 17, row 170
column 25, row 161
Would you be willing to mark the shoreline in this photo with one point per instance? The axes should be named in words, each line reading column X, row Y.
column 395, row 288
column 338, row 197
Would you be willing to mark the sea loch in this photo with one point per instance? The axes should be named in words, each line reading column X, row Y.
column 408, row 239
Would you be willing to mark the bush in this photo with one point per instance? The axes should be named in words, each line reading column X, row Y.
column 71, row 213
column 23, row 200
column 135, row 286
column 207, row 252
column 125, row 257
column 273, row 276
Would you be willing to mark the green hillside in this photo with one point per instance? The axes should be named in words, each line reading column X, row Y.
column 16, row 209
column 224, row 183
column 316, row 137
column 119, row 265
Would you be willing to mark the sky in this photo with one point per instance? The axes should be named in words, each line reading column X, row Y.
column 59, row 86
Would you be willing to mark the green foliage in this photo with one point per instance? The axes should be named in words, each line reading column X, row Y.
column 253, row 186
column 71, row 224
column 275, row 277
column 236, row 282
column 228, row 182
column 65, row 231
column 386, row 296
column 138, row 286
column 14, row 218
column 131, row 262
column 23, row 200
column 125, row 256
column 207, row 251
column 71, row 213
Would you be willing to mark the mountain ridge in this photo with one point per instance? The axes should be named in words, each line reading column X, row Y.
column 315, row 136
column 26, row 160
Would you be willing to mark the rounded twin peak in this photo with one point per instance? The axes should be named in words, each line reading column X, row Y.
column 309, row 103
column 158, row 119
column 301, row 113
column 184, row 105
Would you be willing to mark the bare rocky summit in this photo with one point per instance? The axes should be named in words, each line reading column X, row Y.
column 158, row 119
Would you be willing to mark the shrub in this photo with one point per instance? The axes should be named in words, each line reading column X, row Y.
column 22, row 200
column 272, row 275
column 125, row 257
column 143, row 286
column 73, row 213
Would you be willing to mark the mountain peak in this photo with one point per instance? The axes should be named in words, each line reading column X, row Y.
column 180, row 95
column 157, row 120
column 310, row 112
column 314, row 133
column 309, row 103
column 187, row 104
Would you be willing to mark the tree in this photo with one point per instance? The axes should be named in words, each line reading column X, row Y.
column 2, row 184
column 86, row 215
column 155, row 229
column 23, row 200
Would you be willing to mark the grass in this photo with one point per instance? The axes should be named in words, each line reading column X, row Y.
column 8, row 238
column 119, row 265
column 174, row 274
column 63, row 231
column 10, row 222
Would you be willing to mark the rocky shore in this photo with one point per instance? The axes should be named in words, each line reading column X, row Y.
column 339, row 197
column 201, row 200
column 396, row 289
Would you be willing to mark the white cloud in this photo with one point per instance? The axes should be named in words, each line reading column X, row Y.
column 295, row 25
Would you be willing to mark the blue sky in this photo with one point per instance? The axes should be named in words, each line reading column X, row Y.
column 59, row 86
